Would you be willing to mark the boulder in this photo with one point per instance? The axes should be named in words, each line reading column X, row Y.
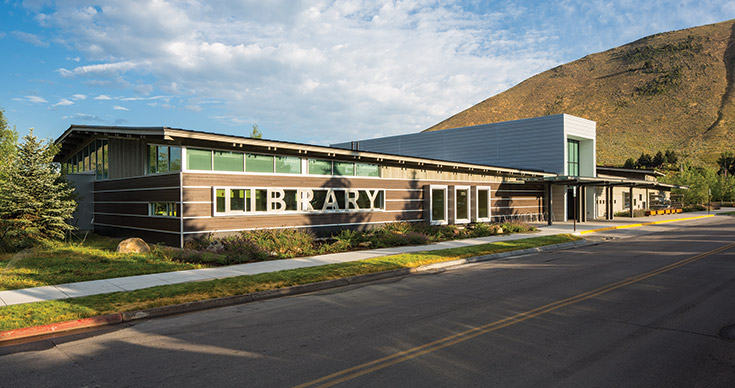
column 133, row 245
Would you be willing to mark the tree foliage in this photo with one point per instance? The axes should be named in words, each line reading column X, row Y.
column 8, row 139
column 726, row 162
column 702, row 181
column 661, row 160
column 35, row 201
column 256, row 133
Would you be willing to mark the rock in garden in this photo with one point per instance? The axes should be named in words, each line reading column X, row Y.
column 133, row 245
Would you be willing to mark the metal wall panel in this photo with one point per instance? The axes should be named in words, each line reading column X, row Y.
column 537, row 143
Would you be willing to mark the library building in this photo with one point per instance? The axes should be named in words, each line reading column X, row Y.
column 169, row 185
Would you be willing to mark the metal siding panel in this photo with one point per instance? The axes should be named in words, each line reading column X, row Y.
column 536, row 144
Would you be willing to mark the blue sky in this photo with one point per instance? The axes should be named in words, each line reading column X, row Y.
column 304, row 71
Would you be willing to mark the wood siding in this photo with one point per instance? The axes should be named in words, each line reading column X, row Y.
column 123, row 204
column 404, row 201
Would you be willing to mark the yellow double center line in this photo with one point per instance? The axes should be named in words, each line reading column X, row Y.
column 372, row 366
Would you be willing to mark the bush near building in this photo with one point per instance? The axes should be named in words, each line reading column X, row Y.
column 265, row 244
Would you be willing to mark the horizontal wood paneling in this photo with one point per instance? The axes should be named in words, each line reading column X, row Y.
column 151, row 181
column 121, row 208
column 166, row 195
column 156, row 223
column 148, row 236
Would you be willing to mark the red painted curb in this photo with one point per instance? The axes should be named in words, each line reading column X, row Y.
column 34, row 331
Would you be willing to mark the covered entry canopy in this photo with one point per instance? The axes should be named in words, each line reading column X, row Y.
column 607, row 182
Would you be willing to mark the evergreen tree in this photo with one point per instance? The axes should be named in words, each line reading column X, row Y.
column 658, row 160
column 671, row 158
column 645, row 161
column 36, row 201
column 8, row 139
column 630, row 163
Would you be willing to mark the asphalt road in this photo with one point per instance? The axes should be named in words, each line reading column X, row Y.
column 641, row 311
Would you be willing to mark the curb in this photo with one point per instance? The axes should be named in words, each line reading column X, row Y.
column 60, row 327
column 111, row 319
column 642, row 224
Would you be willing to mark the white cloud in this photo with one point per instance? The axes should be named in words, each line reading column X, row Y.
column 30, row 38
column 103, row 97
column 79, row 97
column 104, row 69
column 118, row 107
column 32, row 99
column 64, row 102
column 340, row 70
column 88, row 117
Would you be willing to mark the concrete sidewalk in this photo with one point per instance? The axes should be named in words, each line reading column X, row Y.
column 130, row 283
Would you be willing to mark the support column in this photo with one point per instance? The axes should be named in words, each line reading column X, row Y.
column 609, row 202
column 548, row 200
column 631, row 202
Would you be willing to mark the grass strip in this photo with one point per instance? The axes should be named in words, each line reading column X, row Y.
column 62, row 262
column 41, row 313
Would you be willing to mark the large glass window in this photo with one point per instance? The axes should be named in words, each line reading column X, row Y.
column 239, row 200
column 228, row 161
column 288, row 165
column 197, row 159
column 438, row 205
column 92, row 157
column 363, row 169
column 483, row 203
column 344, row 168
column 261, row 200
column 100, row 167
column 572, row 157
column 320, row 167
column 462, row 204
column 162, row 158
column 221, row 200
column 259, row 163
column 174, row 158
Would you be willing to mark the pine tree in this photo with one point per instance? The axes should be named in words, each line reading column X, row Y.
column 658, row 160
column 8, row 139
column 629, row 163
column 36, row 201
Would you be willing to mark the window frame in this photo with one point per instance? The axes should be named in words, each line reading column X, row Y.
column 477, row 204
column 445, row 220
column 468, row 208
column 171, row 208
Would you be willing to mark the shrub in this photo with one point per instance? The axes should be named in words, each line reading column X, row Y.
column 282, row 243
column 516, row 227
column 483, row 230
column 349, row 238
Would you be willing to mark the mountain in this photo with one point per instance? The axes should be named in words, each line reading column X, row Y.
column 672, row 90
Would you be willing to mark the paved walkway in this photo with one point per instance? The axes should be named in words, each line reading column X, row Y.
column 130, row 283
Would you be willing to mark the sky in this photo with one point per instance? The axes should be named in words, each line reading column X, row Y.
column 315, row 72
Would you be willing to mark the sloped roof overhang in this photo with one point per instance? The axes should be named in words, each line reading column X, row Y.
column 604, row 181
column 77, row 135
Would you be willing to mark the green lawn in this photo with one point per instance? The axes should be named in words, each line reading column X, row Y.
column 726, row 214
column 62, row 262
column 33, row 314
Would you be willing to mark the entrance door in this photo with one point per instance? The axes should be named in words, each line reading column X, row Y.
column 571, row 213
